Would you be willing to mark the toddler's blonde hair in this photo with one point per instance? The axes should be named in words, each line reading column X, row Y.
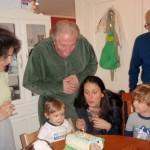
column 53, row 105
column 142, row 93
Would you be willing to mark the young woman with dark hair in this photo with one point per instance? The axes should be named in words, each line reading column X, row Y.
column 99, row 110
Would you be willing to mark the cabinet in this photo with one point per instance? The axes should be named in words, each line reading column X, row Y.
column 30, row 29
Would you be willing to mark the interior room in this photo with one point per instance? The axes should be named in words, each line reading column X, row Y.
column 31, row 23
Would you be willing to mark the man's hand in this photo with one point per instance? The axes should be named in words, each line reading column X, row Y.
column 70, row 84
column 6, row 110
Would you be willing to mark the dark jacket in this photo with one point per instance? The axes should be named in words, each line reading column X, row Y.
column 140, row 57
column 115, row 119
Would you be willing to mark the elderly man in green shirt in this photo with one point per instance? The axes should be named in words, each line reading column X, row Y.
column 57, row 65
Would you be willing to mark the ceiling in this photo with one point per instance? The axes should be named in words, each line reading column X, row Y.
column 64, row 8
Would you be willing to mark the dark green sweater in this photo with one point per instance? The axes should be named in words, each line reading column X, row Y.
column 46, row 70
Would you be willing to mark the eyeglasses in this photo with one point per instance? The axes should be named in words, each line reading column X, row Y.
column 147, row 25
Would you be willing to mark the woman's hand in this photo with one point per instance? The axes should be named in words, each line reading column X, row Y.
column 101, row 124
column 6, row 110
column 80, row 124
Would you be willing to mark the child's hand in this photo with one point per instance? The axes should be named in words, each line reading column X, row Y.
column 101, row 124
column 80, row 124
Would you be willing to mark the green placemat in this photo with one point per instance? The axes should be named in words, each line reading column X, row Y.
column 68, row 148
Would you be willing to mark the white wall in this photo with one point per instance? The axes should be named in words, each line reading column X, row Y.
column 88, row 14
column 10, row 4
column 25, row 119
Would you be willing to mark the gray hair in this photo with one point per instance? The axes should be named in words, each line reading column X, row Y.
column 64, row 27
column 147, row 14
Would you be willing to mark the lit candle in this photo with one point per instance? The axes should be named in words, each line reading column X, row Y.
column 83, row 130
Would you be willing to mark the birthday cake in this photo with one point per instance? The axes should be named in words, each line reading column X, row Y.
column 83, row 141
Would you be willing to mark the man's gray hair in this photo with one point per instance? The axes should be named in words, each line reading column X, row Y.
column 64, row 27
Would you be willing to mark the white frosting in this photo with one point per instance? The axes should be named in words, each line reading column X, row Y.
column 83, row 141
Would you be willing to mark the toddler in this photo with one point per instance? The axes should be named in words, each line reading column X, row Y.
column 57, row 127
column 138, row 124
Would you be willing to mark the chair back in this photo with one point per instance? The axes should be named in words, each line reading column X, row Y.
column 127, row 108
column 27, row 139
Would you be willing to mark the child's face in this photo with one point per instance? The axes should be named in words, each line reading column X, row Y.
column 141, row 107
column 57, row 118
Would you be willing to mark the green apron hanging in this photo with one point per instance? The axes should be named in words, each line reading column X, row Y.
column 109, row 59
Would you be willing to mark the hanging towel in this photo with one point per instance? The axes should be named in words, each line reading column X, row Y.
column 108, row 59
column 102, row 25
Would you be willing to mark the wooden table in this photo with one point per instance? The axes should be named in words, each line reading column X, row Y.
column 113, row 142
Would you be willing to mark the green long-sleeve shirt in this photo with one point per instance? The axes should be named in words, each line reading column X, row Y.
column 46, row 70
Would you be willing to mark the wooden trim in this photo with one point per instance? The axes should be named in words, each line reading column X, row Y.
column 127, row 101
column 27, row 139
